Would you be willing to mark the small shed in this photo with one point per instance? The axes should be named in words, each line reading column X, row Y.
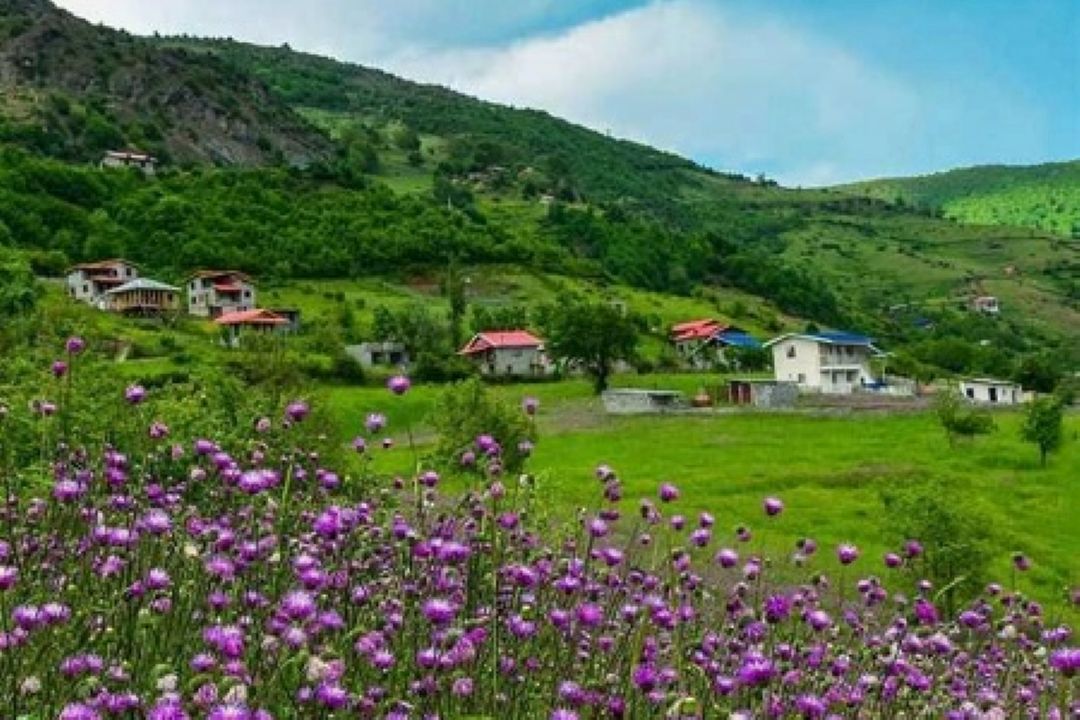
column 629, row 401
column 379, row 354
column 763, row 393
column 987, row 391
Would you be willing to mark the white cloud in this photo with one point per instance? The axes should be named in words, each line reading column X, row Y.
column 745, row 93
column 730, row 85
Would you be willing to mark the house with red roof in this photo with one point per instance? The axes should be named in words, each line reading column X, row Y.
column 704, row 343
column 507, row 353
column 89, row 282
column 235, row 324
column 212, row 293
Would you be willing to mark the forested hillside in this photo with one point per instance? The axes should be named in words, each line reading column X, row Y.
column 1042, row 196
column 293, row 166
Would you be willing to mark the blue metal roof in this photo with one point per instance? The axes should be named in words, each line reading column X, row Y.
column 737, row 339
column 841, row 337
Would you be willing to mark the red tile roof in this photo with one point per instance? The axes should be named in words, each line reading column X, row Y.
column 231, row 274
column 696, row 330
column 227, row 287
column 502, row 339
column 251, row 317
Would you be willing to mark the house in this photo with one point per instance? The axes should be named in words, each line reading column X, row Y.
column 513, row 352
column 987, row 391
column 826, row 362
column 986, row 304
column 88, row 282
column 130, row 159
column 236, row 324
column 704, row 343
column 375, row 354
column 212, row 293
column 143, row 296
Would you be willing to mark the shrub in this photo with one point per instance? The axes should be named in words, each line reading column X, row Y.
column 466, row 411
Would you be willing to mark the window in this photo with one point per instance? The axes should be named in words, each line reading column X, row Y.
column 802, row 378
column 86, row 288
column 247, row 293
column 970, row 392
column 791, row 351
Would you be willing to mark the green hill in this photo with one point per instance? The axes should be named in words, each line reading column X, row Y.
column 1041, row 196
column 339, row 172
column 74, row 90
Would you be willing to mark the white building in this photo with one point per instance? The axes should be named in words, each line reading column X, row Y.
column 986, row 304
column 987, row 391
column 130, row 158
column 513, row 352
column 88, row 282
column 827, row 362
column 379, row 354
column 213, row 293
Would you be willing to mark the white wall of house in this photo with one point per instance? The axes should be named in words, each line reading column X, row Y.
column 992, row 393
column 822, row 367
column 511, row 361
column 205, row 301
column 82, row 286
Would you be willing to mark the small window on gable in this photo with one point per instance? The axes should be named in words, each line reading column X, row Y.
column 791, row 351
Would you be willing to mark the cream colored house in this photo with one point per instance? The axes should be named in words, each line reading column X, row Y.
column 835, row 363
column 213, row 293
column 507, row 353
column 89, row 282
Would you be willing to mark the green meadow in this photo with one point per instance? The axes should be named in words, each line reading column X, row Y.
column 829, row 468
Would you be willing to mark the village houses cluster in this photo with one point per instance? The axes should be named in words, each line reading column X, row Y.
column 822, row 362
column 226, row 297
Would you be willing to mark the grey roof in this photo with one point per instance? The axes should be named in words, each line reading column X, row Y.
column 142, row 284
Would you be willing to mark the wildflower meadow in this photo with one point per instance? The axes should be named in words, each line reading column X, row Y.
column 206, row 558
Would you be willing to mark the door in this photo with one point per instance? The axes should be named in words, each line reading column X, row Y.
column 993, row 394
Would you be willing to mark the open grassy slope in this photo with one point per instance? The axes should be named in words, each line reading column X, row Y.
column 1043, row 196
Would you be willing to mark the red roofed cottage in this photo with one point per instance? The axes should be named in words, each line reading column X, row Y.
column 507, row 353
column 236, row 323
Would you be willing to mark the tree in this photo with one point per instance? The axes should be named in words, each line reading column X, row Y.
column 454, row 289
column 953, row 531
column 961, row 422
column 1043, row 426
column 17, row 291
column 594, row 335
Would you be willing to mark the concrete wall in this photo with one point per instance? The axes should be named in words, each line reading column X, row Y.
column 630, row 402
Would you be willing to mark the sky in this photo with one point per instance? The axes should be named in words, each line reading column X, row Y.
column 809, row 92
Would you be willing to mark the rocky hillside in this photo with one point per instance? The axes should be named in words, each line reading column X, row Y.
column 73, row 90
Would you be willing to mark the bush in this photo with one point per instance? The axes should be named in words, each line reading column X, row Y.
column 466, row 410
column 433, row 367
column 953, row 532
column 959, row 421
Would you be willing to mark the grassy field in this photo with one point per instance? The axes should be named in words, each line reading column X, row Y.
column 829, row 470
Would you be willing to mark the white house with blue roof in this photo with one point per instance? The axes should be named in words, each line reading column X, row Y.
column 828, row 362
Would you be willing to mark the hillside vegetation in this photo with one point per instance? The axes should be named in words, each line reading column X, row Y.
column 1042, row 196
column 404, row 178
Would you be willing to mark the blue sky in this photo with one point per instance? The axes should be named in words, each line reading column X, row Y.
column 807, row 91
